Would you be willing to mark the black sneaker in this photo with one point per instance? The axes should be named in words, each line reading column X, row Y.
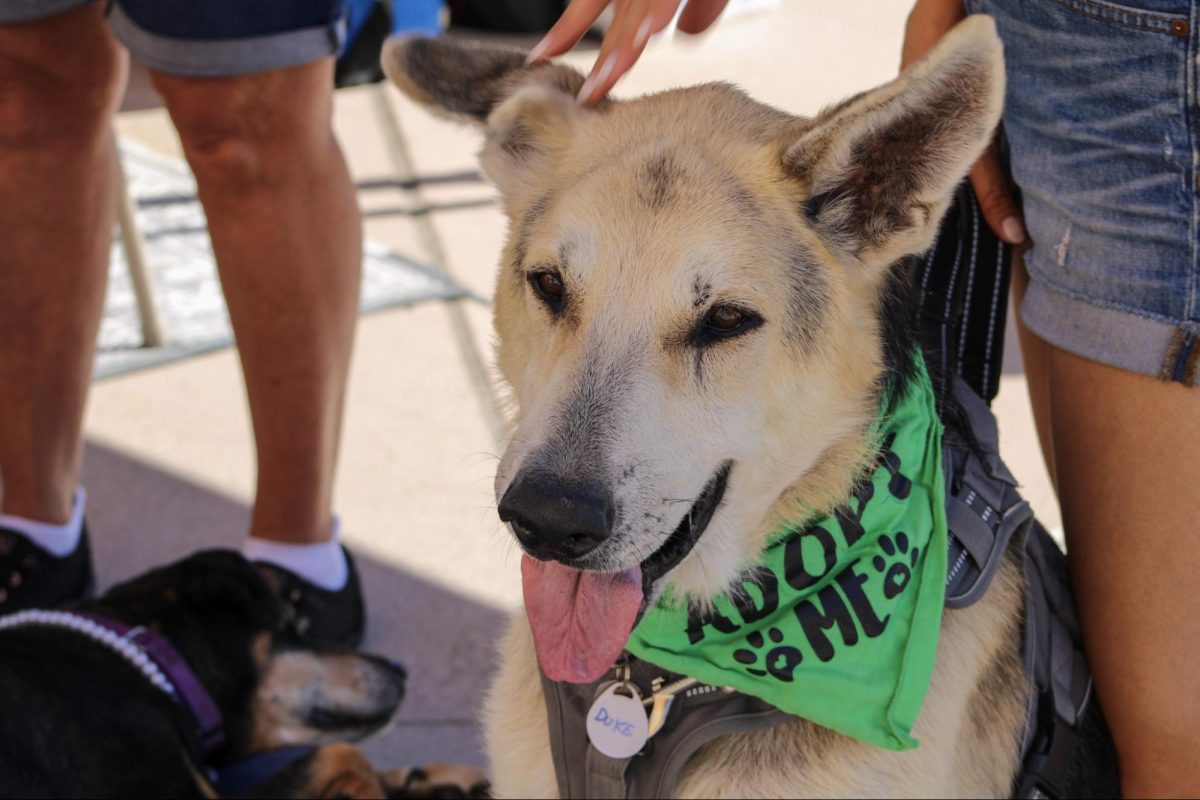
column 31, row 577
column 321, row 616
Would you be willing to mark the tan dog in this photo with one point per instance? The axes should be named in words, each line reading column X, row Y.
column 694, row 316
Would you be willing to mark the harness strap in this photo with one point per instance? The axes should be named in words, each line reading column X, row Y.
column 983, row 508
column 1055, row 660
column 984, row 513
column 970, row 529
column 605, row 776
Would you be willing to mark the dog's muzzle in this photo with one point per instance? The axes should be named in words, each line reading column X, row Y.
column 555, row 519
column 559, row 520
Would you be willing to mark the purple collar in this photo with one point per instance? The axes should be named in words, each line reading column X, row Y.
column 208, row 724
column 149, row 653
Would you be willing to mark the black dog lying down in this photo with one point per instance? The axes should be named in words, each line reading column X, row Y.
column 155, row 687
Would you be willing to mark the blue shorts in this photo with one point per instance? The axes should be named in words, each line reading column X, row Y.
column 210, row 38
column 1101, row 118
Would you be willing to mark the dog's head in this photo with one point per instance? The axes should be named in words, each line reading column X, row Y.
column 234, row 632
column 689, row 309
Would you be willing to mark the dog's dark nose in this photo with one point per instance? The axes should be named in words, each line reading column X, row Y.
column 553, row 518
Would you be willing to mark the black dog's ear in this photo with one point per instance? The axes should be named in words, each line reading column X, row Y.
column 223, row 582
column 879, row 170
column 528, row 111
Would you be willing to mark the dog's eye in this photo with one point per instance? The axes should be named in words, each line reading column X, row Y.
column 725, row 318
column 726, row 321
column 549, row 286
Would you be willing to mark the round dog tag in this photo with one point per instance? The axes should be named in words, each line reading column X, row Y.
column 616, row 723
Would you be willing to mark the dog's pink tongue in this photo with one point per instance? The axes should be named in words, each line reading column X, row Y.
column 580, row 619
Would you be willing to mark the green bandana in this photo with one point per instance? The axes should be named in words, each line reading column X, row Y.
column 839, row 621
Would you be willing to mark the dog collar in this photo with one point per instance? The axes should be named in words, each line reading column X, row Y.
column 146, row 651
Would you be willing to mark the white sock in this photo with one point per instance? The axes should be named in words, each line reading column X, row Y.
column 322, row 563
column 58, row 540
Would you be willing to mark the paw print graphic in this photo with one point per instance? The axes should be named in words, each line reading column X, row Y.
column 896, row 575
column 779, row 662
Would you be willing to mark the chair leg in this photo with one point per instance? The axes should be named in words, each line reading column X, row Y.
column 153, row 334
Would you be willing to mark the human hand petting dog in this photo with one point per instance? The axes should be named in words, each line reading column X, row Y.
column 634, row 22
column 928, row 21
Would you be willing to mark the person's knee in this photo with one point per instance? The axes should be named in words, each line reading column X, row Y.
column 48, row 100
column 250, row 132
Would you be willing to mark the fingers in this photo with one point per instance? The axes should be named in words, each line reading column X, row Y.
column 699, row 15
column 570, row 28
column 996, row 199
column 634, row 23
column 928, row 21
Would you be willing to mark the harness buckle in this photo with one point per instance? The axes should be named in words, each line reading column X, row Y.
column 1049, row 757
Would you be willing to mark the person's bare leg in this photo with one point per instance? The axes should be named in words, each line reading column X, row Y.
column 1127, row 454
column 1124, row 451
column 1034, row 361
column 287, row 236
column 60, row 80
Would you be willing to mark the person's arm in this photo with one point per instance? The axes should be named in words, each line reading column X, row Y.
column 634, row 22
column 928, row 21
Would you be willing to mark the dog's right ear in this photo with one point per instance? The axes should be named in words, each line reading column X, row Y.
column 527, row 111
column 879, row 170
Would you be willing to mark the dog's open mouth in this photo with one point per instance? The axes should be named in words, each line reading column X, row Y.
column 689, row 531
column 349, row 721
column 581, row 619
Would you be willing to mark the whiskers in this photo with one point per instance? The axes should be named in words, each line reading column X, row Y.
column 477, row 458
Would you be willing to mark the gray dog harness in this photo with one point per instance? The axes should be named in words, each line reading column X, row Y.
column 985, row 516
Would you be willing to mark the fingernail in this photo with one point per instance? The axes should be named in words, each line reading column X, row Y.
column 536, row 53
column 585, row 91
column 596, row 78
column 643, row 33
column 1014, row 232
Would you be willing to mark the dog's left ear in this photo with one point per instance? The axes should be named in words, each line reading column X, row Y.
column 879, row 170
column 527, row 111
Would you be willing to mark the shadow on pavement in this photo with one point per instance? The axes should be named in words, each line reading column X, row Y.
column 141, row 516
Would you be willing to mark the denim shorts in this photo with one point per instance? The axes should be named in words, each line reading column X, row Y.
column 210, row 38
column 1101, row 121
